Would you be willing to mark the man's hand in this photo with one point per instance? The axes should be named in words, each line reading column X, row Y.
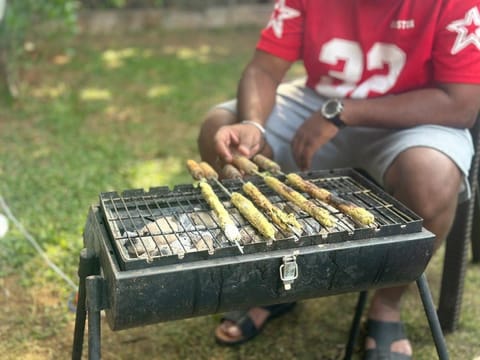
column 242, row 139
column 310, row 136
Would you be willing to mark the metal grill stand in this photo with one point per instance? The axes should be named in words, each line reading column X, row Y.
column 91, row 301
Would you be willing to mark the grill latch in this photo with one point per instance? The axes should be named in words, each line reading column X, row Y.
column 289, row 271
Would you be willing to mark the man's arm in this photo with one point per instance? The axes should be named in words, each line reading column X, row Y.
column 258, row 85
column 454, row 105
column 256, row 98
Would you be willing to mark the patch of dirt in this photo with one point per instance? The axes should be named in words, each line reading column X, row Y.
column 34, row 322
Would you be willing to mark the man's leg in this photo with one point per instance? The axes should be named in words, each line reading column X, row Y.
column 426, row 181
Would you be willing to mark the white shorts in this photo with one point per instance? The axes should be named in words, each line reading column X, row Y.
column 370, row 149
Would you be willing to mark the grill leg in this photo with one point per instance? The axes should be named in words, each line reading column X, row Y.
column 354, row 329
column 94, row 287
column 88, row 265
column 432, row 317
column 430, row 312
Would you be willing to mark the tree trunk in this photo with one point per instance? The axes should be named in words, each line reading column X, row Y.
column 8, row 76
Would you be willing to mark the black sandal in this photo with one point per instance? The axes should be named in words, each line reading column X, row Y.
column 385, row 333
column 246, row 325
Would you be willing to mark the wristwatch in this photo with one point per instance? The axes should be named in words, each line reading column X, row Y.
column 331, row 110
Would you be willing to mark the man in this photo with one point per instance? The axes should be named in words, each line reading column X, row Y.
column 391, row 87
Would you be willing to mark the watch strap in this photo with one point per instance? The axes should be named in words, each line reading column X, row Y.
column 337, row 121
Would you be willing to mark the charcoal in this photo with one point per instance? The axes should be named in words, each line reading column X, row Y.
column 137, row 246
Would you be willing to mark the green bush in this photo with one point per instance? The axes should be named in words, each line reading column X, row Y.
column 20, row 18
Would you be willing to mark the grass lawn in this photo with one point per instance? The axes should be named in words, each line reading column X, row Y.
column 102, row 113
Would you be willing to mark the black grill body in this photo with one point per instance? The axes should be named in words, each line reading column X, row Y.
column 144, row 290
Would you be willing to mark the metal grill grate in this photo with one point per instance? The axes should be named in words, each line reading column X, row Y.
column 164, row 226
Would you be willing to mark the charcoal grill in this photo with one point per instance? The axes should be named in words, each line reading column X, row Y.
column 160, row 255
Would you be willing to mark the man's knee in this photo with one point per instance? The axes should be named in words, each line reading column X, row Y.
column 424, row 179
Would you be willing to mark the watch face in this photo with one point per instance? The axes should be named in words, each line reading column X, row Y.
column 331, row 108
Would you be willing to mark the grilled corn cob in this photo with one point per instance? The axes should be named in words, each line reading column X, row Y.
column 226, row 223
column 282, row 219
column 253, row 215
column 356, row 212
column 244, row 206
column 208, row 171
column 195, row 169
column 321, row 215
column 308, row 187
column 267, row 164
column 244, row 164
column 363, row 216
column 231, row 172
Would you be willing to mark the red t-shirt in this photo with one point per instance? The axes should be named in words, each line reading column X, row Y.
column 368, row 48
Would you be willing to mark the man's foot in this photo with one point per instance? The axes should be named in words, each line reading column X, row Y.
column 387, row 340
column 237, row 327
column 385, row 332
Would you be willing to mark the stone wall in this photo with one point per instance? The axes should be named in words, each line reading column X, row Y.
column 176, row 4
column 105, row 21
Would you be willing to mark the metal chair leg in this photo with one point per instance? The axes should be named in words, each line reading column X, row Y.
column 355, row 327
column 432, row 317
column 475, row 237
column 454, row 268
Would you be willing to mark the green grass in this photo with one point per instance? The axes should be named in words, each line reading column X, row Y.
column 123, row 112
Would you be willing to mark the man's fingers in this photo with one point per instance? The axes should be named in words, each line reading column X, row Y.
column 232, row 140
column 225, row 141
column 307, row 158
column 223, row 148
column 303, row 151
column 248, row 151
column 223, row 152
column 298, row 149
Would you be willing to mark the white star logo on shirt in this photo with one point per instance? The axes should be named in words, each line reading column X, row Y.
column 281, row 12
column 468, row 30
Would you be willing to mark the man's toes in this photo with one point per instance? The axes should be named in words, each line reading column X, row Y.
column 230, row 329
column 233, row 331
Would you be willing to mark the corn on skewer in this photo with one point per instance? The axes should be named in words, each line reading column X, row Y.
column 357, row 213
column 285, row 221
column 208, row 172
column 267, row 164
column 231, row 172
column 244, row 206
column 254, row 216
column 321, row 215
column 195, row 170
column 244, row 164
column 226, row 222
